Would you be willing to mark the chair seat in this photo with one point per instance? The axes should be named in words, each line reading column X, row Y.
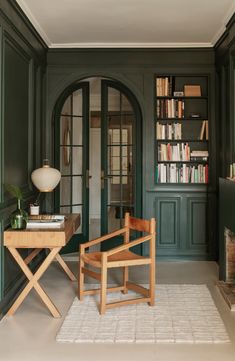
column 94, row 258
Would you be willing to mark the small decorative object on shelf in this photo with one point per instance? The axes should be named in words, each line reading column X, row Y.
column 231, row 171
column 192, row 90
column 182, row 129
column 19, row 217
column 34, row 209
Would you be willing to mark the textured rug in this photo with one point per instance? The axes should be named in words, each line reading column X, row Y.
column 182, row 314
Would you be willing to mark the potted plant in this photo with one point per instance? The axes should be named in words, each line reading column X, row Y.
column 19, row 217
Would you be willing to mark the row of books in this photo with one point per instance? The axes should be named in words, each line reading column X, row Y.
column 164, row 86
column 169, row 131
column 174, row 152
column 170, row 108
column 173, row 173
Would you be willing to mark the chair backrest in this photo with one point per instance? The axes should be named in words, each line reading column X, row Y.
column 141, row 225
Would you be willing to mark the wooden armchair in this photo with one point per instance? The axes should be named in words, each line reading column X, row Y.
column 120, row 256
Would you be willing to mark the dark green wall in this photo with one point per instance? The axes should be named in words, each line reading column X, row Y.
column 225, row 85
column 136, row 68
column 22, row 69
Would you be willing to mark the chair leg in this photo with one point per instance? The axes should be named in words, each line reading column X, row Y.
column 103, row 285
column 152, row 283
column 125, row 279
column 80, row 280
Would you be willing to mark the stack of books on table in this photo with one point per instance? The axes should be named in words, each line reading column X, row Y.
column 46, row 221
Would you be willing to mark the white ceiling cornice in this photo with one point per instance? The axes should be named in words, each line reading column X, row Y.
column 132, row 45
column 34, row 22
column 222, row 29
column 68, row 45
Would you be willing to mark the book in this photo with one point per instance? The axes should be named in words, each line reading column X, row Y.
column 46, row 223
column 203, row 128
column 46, row 216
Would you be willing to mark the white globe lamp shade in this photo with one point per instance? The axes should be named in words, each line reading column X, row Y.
column 46, row 178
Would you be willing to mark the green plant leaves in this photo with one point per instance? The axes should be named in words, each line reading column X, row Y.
column 15, row 191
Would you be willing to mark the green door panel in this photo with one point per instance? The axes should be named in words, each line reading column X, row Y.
column 120, row 158
column 72, row 157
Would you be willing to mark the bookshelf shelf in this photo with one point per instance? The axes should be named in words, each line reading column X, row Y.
column 182, row 129
column 182, row 97
column 183, row 140
column 183, row 162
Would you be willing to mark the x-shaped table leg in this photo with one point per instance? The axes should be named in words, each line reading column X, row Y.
column 33, row 281
column 65, row 267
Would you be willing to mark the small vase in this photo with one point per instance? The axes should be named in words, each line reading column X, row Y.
column 19, row 218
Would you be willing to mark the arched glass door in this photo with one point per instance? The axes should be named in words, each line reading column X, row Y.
column 98, row 150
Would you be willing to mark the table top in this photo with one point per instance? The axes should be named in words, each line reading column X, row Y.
column 42, row 238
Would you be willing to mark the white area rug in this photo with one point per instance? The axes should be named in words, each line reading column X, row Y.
column 182, row 314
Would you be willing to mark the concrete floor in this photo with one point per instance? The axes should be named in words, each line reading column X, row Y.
column 30, row 333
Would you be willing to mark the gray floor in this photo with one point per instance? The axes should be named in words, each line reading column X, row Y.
column 30, row 333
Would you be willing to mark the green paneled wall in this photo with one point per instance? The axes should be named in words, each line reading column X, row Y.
column 136, row 69
column 22, row 68
column 16, row 111
column 225, row 67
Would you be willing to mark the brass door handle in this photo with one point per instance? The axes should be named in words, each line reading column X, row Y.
column 103, row 178
column 88, row 177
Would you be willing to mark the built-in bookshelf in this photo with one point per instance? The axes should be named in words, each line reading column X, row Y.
column 182, row 129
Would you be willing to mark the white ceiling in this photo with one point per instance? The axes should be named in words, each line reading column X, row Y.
column 129, row 23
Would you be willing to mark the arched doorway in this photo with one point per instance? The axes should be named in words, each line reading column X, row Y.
column 98, row 151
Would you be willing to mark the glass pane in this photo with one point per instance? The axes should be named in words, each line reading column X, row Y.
column 65, row 210
column 113, row 100
column 77, row 160
column 77, row 103
column 127, row 190
column 127, row 125
column 65, row 160
column 67, row 109
column 78, row 209
column 77, row 190
column 124, row 165
column 113, row 218
column 126, row 105
column 77, row 131
column 124, row 139
column 65, row 130
column 65, row 190
column 114, row 190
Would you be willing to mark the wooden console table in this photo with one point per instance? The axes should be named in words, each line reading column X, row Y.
column 39, row 239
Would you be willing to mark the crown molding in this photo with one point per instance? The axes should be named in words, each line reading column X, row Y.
column 223, row 27
column 130, row 45
column 95, row 45
column 34, row 22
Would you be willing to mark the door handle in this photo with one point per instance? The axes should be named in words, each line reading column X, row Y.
column 88, row 177
column 103, row 178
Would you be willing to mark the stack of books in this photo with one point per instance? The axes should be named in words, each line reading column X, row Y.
column 46, row 221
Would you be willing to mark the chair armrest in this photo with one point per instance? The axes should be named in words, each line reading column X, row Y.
column 103, row 238
column 129, row 245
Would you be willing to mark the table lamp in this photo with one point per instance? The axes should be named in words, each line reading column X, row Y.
column 45, row 178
